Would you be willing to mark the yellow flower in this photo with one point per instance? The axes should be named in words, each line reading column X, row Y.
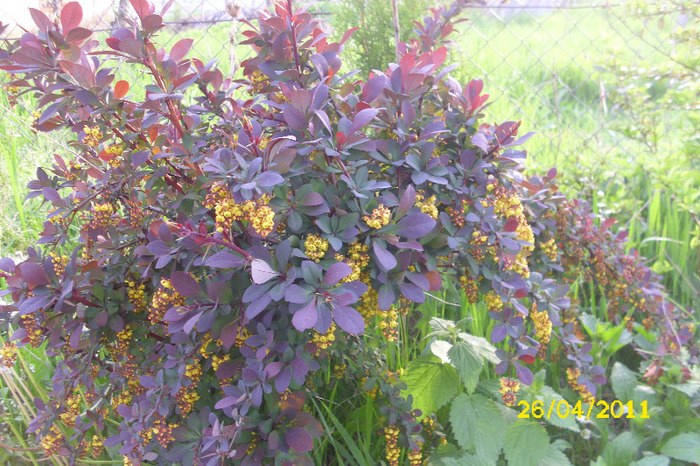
column 381, row 216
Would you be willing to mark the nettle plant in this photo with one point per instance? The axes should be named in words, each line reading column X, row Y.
column 211, row 242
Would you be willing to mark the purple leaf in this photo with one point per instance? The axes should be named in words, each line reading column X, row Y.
column 312, row 199
column 224, row 260
column 524, row 374
column 282, row 381
column 412, row 292
column 415, row 226
column 269, row 178
column 306, row 317
column 261, row 271
column 7, row 265
column 349, row 320
column 228, row 335
column 479, row 140
column 295, row 294
column 361, row 120
column 336, row 272
column 294, row 118
column 185, row 284
column 257, row 306
column 299, row 439
column 498, row 334
column 408, row 200
column 225, row 402
column 32, row 273
column 148, row 381
column 386, row 297
column 373, row 88
column 387, row 261
column 112, row 441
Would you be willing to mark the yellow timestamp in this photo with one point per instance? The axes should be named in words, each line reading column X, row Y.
column 562, row 409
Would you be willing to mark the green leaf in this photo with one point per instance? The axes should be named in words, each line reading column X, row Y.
column 691, row 388
column 653, row 460
column 468, row 363
column 527, row 443
column 477, row 423
column 432, row 383
column 685, row 447
column 548, row 396
column 482, row 346
column 623, row 381
column 622, row 450
column 555, row 457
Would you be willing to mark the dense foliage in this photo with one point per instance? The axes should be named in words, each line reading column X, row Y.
column 214, row 244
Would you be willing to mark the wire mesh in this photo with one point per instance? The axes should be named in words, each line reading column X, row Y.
column 542, row 61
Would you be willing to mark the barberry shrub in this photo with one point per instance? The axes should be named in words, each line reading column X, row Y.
column 212, row 242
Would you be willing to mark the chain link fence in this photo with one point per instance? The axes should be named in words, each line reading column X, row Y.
column 554, row 64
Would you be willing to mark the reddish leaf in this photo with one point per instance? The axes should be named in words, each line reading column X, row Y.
column 32, row 273
column 71, row 15
column 180, row 50
column 341, row 138
column 78, row 35
column 608, row 223
column 141, row 7
column 40, row 19
column 120, row 89
column 511, row 225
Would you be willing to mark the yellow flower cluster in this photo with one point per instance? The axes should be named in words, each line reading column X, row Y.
column 509, row 387
column 339, row 370
column 102, row 214
column 242, row 336
column 543, row 326
column 389, row 324
column 258, row 213
column 92, row 136
column 122, row 398
column 257, row 82
column 478, row 238
column 471, row 290
column 161, row 430
column 357, row 259
column 550, row 249
column 509, row 205
column 415, row 457
column 8, row 355
column 427, row 206
column 115, row 151
column 187, row 395
column 71, row 410
column 59, row 262
column 369, row 301
column 52, row 441
column 31, row 326
column 315, row 247
column 96, row 446
column 391, row 438
column 493, row 301
column 137, row 295
column 164, row 298
column 572, row 375
column 323, row 341
column 122, row 343
column 381, row 216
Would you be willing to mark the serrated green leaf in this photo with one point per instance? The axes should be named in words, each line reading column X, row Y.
column 623, row 381
column 685, row 447
column 468, row 363
column 527, row 443
column 555, row 457
column 477, row 423
column 482, row 346
column 691, row 388
column 567, row 420
column 432, row 383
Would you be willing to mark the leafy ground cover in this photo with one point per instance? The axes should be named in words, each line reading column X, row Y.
column 353, row 398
